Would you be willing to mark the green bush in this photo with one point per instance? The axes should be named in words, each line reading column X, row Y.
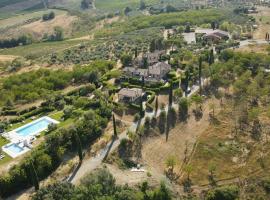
column 266, row 185
column 223, row 193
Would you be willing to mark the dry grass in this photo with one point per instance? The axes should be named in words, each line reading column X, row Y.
column 16, row 26
column 7, row 58
column 40, row 27
column 254, row 48
column 232, row 157
column 156, row 150
column 263, row 18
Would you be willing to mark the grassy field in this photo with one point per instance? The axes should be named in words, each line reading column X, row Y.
column 113, row 5
column 230, row 157
column 40, row 49
column 7, row 158
column 10, row 8
column 22, row 18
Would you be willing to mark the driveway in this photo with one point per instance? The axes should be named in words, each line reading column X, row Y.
column 92, row 163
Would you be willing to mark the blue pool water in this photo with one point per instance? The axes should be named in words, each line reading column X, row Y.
column 14, row 148
column 34, row 128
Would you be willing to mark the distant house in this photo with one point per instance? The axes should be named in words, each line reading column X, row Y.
column 154, row 73
column 216, row 36
column 154, row 57
column 151, row 58
column 210, row 33
column 130, row 95
column 159, row 70
column 135, row 72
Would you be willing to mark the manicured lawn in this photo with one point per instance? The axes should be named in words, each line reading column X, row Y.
column 7, row 158
column 17, row 125
column 56, row 115
column 3, row 141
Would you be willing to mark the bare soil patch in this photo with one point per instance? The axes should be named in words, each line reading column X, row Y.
column 254, row 48
column 40, row 27
column 7, row 58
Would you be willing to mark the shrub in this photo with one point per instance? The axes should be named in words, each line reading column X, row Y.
column 48, row 16
column 224, row 193
column 266, row 185
column 52, row 127
column 137, row 117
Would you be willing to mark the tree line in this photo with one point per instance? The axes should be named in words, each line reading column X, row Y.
column 100, row 184
column 30, row 86
column 14, row 42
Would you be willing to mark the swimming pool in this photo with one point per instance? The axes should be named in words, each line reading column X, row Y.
column 14, row 150
column 35, row 127
column 20, row 138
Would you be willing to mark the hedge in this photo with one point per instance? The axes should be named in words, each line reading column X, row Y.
column 152, row 97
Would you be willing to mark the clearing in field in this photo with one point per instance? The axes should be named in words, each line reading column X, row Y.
column 33, row 24
column 7, row 58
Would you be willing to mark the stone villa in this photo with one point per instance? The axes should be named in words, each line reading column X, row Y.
column 130, row 95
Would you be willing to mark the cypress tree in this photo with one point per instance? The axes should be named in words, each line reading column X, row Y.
column 168, row 123
column 77, row 141
column 114, row 127
column 156, row 106
column 136, row 52
column 171, row 95
column 152, row 47
column 141, row 109
column 211, row 58
column 200, row 74
column 34, row 176
column 186, row 81
column 183, row 109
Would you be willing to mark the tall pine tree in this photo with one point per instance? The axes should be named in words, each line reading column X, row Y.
column 77, row 141
column 114, row 127
column 200, row 74
column 211, row 58
column 156, row 106
column 33, row 174
column 171, row 95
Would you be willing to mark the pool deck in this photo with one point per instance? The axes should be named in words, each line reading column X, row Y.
column 14, row 137
column 12, row 154
column 19, row 140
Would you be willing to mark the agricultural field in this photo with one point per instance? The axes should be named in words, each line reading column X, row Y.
column 13, row 7
column 32, row 23
column 39, row 50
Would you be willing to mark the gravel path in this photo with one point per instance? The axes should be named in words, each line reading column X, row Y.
column 92, row 163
